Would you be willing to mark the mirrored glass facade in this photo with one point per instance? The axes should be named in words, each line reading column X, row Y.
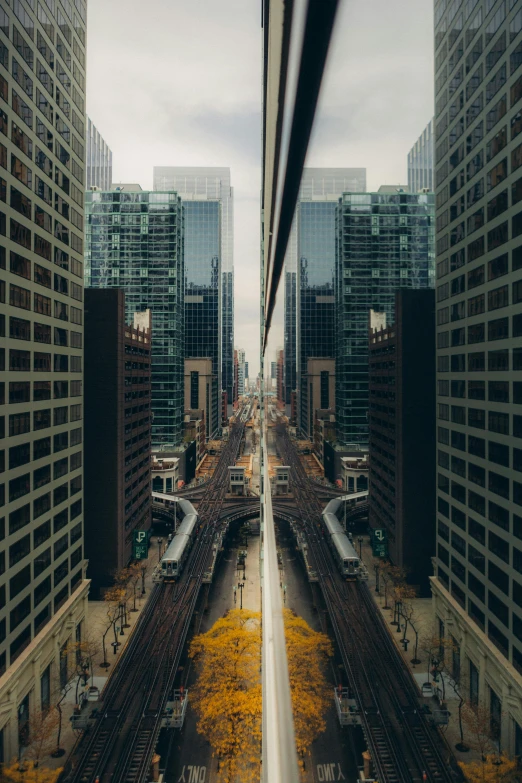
column 317, row 184
column 385, row 241
column 199, row 183
column 421, row 160
column 99, row 159
column 134, row 241
column 316, row 300
column 202, row 292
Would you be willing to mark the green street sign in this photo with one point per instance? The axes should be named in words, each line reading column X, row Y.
column 140, row 545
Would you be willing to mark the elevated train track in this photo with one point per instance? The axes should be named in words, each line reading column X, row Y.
column 119, row 746
column 404, row 748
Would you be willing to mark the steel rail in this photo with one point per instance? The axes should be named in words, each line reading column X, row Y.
column 425, row 750
column 127, row 731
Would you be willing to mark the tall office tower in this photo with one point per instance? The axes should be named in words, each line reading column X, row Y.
column 421, row 160
column 206, row 245
column 478, row 586
column 280, row 376
column 402, row 432
column 385, row 241
column 134, row 241
column 118, row 500
column 43, row 594
column 310, row 261
column 99, row 159
column 242, row 370
column 236, row 376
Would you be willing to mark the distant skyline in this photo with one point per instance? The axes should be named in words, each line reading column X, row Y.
column 187, row 93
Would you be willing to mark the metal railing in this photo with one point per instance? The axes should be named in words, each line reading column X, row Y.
column 296, row 38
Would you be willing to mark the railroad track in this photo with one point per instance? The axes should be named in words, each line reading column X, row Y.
column 119, row 746
column 404, row 748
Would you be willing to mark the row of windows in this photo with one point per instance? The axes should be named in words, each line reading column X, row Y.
column 497, row 421
column 496, row 299
column 20, row 361
column 474, row 445
column 20, row 423
column 24, row 298
column 20, row 391
column 497, row 361
column 498, row 391
column 21, row 329
column 21, row 455
column 21, row 266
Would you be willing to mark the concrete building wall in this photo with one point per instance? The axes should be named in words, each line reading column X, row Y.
column 478, row 587
column 42, row 583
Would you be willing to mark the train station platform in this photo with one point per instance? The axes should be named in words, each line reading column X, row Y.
column 426, row 624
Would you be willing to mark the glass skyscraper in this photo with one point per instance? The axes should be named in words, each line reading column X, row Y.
column 98, row 160
column 134, row 241
column 315, row 297
column 421, row 161
column 317, row 185
column 477, row 589
column 202, row 292
column 385, row 241
column 194, row 183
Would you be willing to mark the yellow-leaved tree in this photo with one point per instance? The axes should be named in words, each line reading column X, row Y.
column 28, row 772
column 491, row 769
column 307, row 651
column 227, row 696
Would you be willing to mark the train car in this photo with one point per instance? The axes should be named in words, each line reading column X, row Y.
column 346, row 556
column 332, row 524
column 174, row 558
column 179, row 548
column 333, row 506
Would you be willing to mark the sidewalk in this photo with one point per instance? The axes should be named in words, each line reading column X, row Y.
column 96, row 624
column 424, row 620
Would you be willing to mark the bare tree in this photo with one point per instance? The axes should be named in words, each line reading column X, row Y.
column 41, row 732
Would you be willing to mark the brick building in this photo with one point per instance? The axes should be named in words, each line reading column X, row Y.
column 117, row 404
column 402, row 432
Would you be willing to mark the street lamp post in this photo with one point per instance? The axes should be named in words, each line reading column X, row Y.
column 122, row 608
column 376, row 567
column 143, row 570
column 160, row 541
column 399, row 608
column 240, row 586
column 359, row 539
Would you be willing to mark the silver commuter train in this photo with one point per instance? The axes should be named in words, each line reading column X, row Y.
column 179, row 548
column 344, row 552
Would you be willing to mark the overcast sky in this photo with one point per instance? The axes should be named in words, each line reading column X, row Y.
column 178, row 82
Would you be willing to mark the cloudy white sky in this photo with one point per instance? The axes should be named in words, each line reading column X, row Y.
column 178, row 82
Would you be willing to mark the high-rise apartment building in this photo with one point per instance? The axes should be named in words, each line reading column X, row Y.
column 478, row 127
column 118, row 498
column 134, row 241
column 203, row 245
column 99, row 159
column 309, row 308
column 43, row 593
column 385, row 241
column 402, row 432
column 421, row 160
